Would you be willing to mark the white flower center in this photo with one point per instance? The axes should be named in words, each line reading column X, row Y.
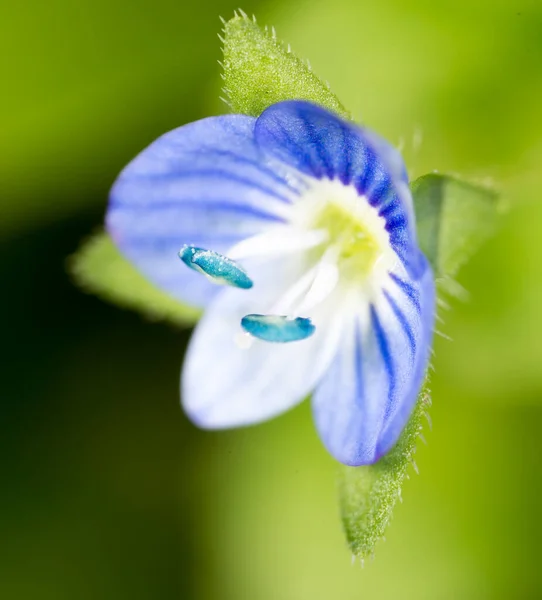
column 356, row 239
column 343, row 242
column 342, row 257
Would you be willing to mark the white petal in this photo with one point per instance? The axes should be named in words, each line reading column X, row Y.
column 225, row 384
column 281, row 239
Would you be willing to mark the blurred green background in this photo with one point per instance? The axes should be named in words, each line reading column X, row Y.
column 107, row 491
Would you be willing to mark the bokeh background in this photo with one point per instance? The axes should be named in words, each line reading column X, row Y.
column 107, row 491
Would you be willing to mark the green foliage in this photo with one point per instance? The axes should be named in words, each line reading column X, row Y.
column 100, row 268
column 259, row 71
column 453, row 219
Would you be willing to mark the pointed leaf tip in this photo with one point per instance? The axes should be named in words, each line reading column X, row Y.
column 259, row 71
column 368, row 495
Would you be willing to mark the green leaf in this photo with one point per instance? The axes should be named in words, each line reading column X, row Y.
column 100, row 268
column 368, row 494
column 259, row 70
column 453, row 219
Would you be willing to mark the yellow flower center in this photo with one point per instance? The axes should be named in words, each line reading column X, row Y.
column 356, row 243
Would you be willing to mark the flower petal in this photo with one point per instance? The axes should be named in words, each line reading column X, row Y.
column 321, row 145
column 227, row 384
column 365, row 398
column 205, row 184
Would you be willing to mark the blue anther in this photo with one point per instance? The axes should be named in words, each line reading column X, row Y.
column 216, row 267
column 274, row 328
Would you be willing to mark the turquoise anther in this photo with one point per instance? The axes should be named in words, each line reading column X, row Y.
column 277, row 329
column 216, row 267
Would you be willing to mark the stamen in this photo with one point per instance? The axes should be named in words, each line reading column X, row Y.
column 294, row 294
column 277, row 329
column 311, row 289
column 325, row 280
column 279, row 241
column 216, row 267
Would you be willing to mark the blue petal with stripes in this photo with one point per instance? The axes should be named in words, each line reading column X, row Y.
column 364, row 400
column 318, row 143
column 203, row 184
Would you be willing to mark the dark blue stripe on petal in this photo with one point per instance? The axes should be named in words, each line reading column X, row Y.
column 202, row 205
column 301, row 152
column 408, row 290
column 365, row 180
column 388, row 210
column 348, row 154
column 380, row 192
column 396, row 222
column 315, row 142
column 211, row 173
column 384, row 349
column 359, row 366
column 402, row 320
column 260, row 166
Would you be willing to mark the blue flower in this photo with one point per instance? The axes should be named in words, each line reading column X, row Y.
column 309, row 220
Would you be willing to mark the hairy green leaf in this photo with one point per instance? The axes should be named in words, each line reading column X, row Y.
column 259, row 70
column 453, row 219
column 368, row 494
column 100, row 268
